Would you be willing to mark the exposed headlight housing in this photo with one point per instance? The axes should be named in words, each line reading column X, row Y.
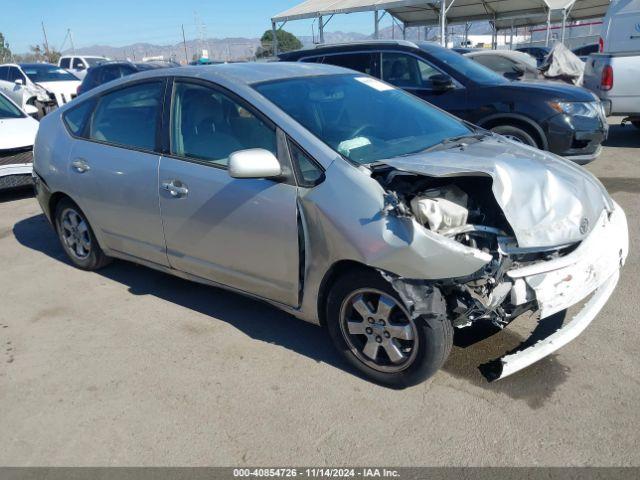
column 578, row 109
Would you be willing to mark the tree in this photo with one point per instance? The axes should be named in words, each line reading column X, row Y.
column 5, row 53
column 286, row 42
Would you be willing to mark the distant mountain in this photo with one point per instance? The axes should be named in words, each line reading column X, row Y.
column 219, row 49
column 245, row 48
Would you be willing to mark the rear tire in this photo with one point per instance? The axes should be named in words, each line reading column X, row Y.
column 370, row 326
column 516, row 134
column 77, row 238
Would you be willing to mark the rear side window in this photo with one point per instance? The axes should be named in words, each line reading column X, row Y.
column 128, row 116
column 361, row 62
column 109, row 73
column 65, row 62
column 76, row 118
column 496, row 63
column 15, row 74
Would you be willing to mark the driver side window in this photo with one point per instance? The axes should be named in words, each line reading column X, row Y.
column 406, row 71
column 208, row 125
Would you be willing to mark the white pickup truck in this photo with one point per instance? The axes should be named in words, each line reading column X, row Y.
column 614, row 73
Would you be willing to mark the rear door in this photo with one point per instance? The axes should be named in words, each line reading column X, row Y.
column 365, row 62
column 114, row 168
column 242, row 233
column 16, row 92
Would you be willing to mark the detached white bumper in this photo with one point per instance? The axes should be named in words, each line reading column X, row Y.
column 16, row 169
column 592, row 268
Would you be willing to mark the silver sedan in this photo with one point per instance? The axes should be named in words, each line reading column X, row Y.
column 335, row 197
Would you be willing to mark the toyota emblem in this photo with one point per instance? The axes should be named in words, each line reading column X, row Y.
column 584, row 225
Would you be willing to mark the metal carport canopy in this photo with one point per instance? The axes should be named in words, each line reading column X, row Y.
column 505, row 13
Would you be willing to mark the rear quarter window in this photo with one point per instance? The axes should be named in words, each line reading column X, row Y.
column 76, row 118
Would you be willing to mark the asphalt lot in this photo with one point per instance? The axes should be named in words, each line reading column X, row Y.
column 133, row 367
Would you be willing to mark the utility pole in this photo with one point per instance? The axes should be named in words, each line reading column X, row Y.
column 46, row 42
column 184, row 43
column 73, row 48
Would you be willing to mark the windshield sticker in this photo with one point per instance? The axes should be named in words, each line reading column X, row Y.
column 373, row 83
column 346, row 146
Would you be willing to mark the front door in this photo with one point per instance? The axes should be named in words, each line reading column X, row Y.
column 414, row 75
column 115, row 169
column 242, row 233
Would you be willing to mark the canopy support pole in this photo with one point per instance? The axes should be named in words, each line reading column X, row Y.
column 511, row 37
column 564, row 23
column 404, row 31
column 274, row 30
column 376, row 25
column 321, row 29
column 546, row 42
column 443, row 23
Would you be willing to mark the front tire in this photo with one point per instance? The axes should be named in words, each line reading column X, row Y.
column 371, row 327
column 77, row 238
column 517, row 134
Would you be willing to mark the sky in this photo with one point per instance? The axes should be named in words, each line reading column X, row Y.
column 120, row 22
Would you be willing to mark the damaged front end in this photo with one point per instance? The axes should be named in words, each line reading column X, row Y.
column 516, row 276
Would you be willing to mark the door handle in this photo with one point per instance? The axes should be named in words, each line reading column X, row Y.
column 176, row 188
column 80, row 165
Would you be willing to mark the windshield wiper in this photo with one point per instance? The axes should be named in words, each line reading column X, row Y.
column 456, row 141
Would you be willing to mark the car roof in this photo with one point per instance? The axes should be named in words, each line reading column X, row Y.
column 349, row 46
column 253, row 72
column 32, row 65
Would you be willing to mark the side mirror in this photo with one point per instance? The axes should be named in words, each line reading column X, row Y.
column 31, row 110
column 254, row 163
column 19, row 81
column 514, row 74
column 441, row 82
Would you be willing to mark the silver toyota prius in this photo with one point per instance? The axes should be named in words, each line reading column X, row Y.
column 337, row 198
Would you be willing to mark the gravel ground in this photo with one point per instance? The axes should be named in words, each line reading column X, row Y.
column 133, row 367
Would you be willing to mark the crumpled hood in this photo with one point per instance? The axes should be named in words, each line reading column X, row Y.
column 64, row 91
column 547, row 200
column 17, row 132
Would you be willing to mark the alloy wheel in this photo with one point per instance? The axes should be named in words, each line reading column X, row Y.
column 75, row 234
column 378, row 330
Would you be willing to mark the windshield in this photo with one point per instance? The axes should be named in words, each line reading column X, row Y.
column 362, row 118
column 93, row 61
column 46, row 73
column 8, row 109
column 468, row 68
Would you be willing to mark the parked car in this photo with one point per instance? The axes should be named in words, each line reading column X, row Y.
column 586, row 50
column 463, row 50
column 563, row 119
column 336, row 197
column 42, row 85
column 108, row 71
column 79, row 64
column 17, row 135
column 613, row 74
column 510, row 64
column 539, row 53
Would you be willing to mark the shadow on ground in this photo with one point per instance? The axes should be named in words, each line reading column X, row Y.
column 265, row 323
column 12, row 194
column 623, row 136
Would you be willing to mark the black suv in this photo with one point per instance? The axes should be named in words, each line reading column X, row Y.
column 563, row 119
column 107, row 71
